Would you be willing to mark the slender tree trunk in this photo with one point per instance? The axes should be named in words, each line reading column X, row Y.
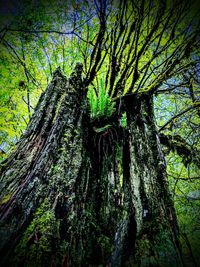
column 73, row 196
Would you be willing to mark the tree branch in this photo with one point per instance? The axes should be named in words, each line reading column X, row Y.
column 177, row 144
column 196, row 105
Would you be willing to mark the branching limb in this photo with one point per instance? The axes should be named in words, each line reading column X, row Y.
column 196, row 105
column 97, row 50
column 177, row 144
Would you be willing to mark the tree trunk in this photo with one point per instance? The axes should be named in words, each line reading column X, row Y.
column 149, row 236
column 73, row 196
column 38, row 180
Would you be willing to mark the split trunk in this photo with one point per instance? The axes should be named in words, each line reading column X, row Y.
column 75, row 196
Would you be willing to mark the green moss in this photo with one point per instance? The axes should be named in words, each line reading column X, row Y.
column 37, row 241
column 105, row 245
column 5, row 198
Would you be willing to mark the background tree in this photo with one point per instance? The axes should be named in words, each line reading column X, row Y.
column 86, row 184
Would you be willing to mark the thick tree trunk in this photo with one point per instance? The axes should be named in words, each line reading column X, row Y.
column 73, row 196
column 38, row 180
column 53, row 187
column 149, row 235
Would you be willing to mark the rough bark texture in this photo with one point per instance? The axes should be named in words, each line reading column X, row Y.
column 151, row 210
column 41, row 174
column 73, row 196
column 146, row 232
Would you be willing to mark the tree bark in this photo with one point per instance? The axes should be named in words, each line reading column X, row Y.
column 40, row 176
column 75, row 196
column 149, row 235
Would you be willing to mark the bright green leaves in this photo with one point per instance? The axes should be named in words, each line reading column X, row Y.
column 123, row 120
column 100, row 102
